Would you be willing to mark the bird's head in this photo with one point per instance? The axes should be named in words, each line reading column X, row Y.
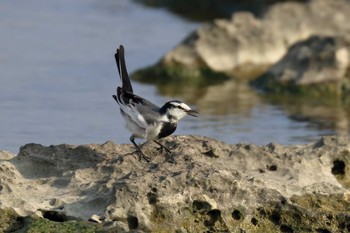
column 177, row 109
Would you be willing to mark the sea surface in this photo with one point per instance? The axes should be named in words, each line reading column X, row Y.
column 58, row 75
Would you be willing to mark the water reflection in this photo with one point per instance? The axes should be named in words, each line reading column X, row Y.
column 212, row 95
column 234, row 102
column 321, row 114
column 231, row 97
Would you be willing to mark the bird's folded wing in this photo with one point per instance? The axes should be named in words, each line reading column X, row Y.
column 140, row 110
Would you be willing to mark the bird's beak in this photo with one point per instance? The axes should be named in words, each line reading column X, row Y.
column 192, row 113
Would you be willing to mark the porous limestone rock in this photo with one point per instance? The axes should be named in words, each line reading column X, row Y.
column 205, row 185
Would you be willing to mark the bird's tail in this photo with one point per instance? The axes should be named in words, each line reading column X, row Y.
column 123, row 73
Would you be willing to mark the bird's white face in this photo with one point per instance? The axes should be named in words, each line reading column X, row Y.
column 179, row 110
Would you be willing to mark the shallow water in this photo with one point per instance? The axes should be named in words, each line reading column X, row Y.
column 58, row 74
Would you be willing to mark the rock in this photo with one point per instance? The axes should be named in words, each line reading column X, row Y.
column 205, row 185
column 228, row 45
column 207, row 10
column 244, row 40
column 317, row 60
column 6, row 155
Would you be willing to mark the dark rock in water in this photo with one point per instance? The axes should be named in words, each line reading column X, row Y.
column 209, row 186
column 316, row 66
column 208, row 9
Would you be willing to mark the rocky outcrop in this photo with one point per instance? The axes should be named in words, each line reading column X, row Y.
column 208, row 10
column 317, row 60
column 205, row 185
column 297, row 49
column 245, row 41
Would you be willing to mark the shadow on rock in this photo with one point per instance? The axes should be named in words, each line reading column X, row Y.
column 36, row 161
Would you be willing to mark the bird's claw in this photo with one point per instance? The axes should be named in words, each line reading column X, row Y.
column 142, row 155
column 162, row 147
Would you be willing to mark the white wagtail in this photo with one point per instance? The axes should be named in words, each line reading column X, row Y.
column 143, row 118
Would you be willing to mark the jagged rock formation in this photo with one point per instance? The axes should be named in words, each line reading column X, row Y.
column 205, row 185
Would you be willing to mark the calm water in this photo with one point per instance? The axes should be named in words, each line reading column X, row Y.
column 57, row 75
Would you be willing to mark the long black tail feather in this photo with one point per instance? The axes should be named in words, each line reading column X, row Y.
column 123, row 73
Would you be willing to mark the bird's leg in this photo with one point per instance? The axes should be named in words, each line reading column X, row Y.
column 162, row 146
column 138, row 150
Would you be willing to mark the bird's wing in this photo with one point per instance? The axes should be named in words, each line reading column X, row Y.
column 123, row 73
column 140, row 110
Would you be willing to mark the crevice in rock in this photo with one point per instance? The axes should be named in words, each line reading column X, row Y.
column 214, row 215
column 338, row 167
column 152, row 198
column 286, row 229
column 254, row 221
column 275, row 218
column 236, row 215
column 272, row 168
column 55, row 216
column 133, row 222
column 200, row 206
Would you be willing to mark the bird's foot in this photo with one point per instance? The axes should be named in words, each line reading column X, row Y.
column 142, row 155
column 169, row 157
column 161, row 147
column 138, row 150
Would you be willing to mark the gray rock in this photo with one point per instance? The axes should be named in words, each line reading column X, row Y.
column 205, row 185
column 208, row 10
column 229, row 45
column 317, row 60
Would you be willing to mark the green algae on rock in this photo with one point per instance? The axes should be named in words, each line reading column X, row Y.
column 10, row 221
column 45, row 226
column 175, row 74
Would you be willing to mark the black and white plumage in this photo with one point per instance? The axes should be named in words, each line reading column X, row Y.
column 143, row 118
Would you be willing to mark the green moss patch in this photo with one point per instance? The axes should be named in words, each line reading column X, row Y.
column 159, row 74
column 47, row 226
column 10, row 221
column 320, row 90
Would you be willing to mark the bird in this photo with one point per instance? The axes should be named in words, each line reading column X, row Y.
column 144, row 119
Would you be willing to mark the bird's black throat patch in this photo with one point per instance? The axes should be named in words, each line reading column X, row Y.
column 167, row 129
